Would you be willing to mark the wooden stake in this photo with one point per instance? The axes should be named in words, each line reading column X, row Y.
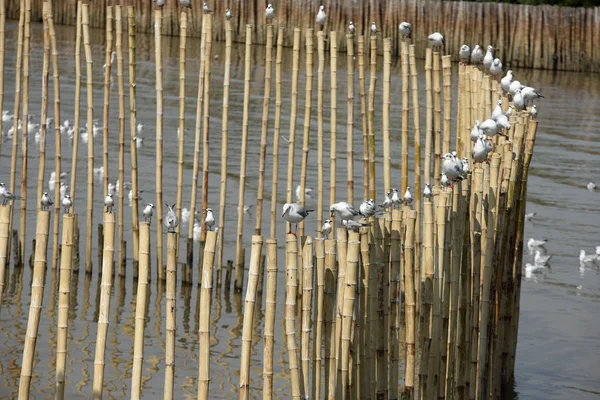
column 2, row 51
column 350, row 114
column 447, row 71
column 85, row 17
column 436, row 118
column 371, row 126
column 290, row 311
column 367, row 345
column 428, row 116
column 239, row 266
column 205, row 300
column 405, row 71
column 363, row 113
column 158, row 16
column 307, row 291
column 206, row 123
column 387, row 79
column 307, row 115
column 276, row 133
column 320, row 89
column 37, row 296
column 181, row 126
column 133, row 133
column 292, row 137
column 428, row 294
column 107, row 83
column 333, row 119
column 170, row 309
column 335, row 381
column 394, row 338
column 270, row 308
column 119, row 45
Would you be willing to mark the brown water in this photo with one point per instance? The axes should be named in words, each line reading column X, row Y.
column 558, row 349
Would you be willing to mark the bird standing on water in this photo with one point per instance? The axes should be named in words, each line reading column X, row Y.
column 294, row 213
column 171, row 221
column 592, row 187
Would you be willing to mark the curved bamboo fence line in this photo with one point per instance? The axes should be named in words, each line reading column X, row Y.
column 541, row 37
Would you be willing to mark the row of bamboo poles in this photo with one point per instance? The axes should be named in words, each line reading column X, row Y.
column 545, row 37
column 441, row 280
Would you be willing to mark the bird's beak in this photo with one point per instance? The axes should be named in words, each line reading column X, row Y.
column 441, row 157
column 285, row 212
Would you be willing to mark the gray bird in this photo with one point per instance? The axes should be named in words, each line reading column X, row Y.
column 351, row 28
column 67, row 203
column 109, row 202
column 344, row 210
column 171, row 221
column 427, row 191
column 8, row 196
column 294, row 213
column 464, row 54
column 210, row 219
column 159, row 3
column 228, row 14
column 405, row 29
column 46, row 202
column 205, row 8
column 326, row 228
column 148, row 212
column 185, row 3
column 353, row 225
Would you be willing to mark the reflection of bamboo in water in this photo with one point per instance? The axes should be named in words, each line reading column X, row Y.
column 276, row 133
column 133, row 145
column 170, row 310
column 90, row 119
column 203, row 329
column 83, row 343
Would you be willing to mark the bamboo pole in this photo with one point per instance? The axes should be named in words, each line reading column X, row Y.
column 135, row 227
column 63, row 304
column 409, row 372
column 447, row 72
column 205, row 301
column 307, row 115
column 276, row 133
column 437, row 115
column 368, row 365
column 294, row 105
column 2, row 51
column 239, row 266
column 119, row 46
column 347, row 308
column 363, row 113
column 307, row 291
column 329, row 316
column 428, row 294
column 37, row 296
column 371, row 126
column 140, row 310
column 333, row 119
column 170, row 310
column 85, row 16
column 75, row 151
column 158, row 19
column 387, row 78
column 181, row 126
column 290, row 311
column 264, row 129
column 379, row 311
column 250, row 301
column 107, row 83
column 445, row 287
column 320, row 89
column 5, row 212
column 350, row 116
column 44, row 113
column 335, row 381
column 270, row 309
column 428, row 116
column 405, row 105
column 224, row 144
column 104, row 307
column 206, row 124
column 318, row 318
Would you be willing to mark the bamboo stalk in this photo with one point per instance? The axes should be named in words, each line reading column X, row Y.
column 363, row 112
column 205, row 301
column 206, row 123
column 5, row 212
column 224, row 144
column 368, row 364
column 158, row 19
column 437, row 115
column 347, row 308
column 17, row 108
column 107, row 81
column 140, row 310
column 428, row 294
column 307, row 115
column 239, row 266
column 335, row 381
column 350, row 116
column 379, row 310
column 447, row 72
column 104, row 308
column 264, row 129
column 294, row 105
column 181, row 125
column 276, row 132
column 75, row 152
column 37, row 296
column 428, row 116
column 329, row 316
column 387, row 73
column 135, row 228
column 2, row 51
column 409, row 372
column 85, row 16
column 119, row 46
column 170, row 309
column 446, row 286
column 318, row 318
column 333, row 119
column 270, row 309
column 371, row 126
column 307, row 290
column 394, row 300
column 320, row 89
column 290, row 311
column 405, row 105
column 44, row 113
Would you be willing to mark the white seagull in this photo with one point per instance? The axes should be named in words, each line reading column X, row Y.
column 148, row 212
column 405, row 29
column 436, row 39
column 171, row 221
column 427, row 191
column 326, row 228
column 408, row 198
column 592, row 187
column 67, row 203
column 489, row 57
column 228, row 14
column 477, row 54
column 351, row 28
column 480, row 152
column 373, row 28
column 464, row 53
column 496, row 67
column 109, row 202
column 294, row 213
column 270, row 12
column 321, row 17
column 506, row 81
column 519, row 100
column 210, row 218
column 476, row 131
column 344, row 210
column 206, row 9
column 396, row 197
column 541, row 259
column 46, row 201
column 533, row 244
column 587, row 259
column 534, row 111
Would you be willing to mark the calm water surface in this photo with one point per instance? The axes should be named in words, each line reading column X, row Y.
column 558, row 346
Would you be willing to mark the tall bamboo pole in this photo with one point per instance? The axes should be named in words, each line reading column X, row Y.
column 270, row 308
column 204, row 325
column 104, row 308
column 307, row 115
column 333, row 119
column 350, row 116
column 447, row 72
column 371, row 126
column 405, row 73
column 307, row 291
column 181, row 126
column 363, row 113
column 63, row 304
column 387, row 78
column 206, row 123
column 37, row 295
column 158, row 16
column 105, row 109
column 2, row 51
column 318, row 318
column 290, row 311
column 428, row 294
column 347, row 307
column 320, row 89
column 409, row 372
column 294, row 106
column 428, row 116
column 264, row 129
column 239, row 266
column 85, row 18
column 5, row 212
column 119, row 46
column 329, row 316
column 335, row 381
column 44, row 113
column 394, row 338
column 74, row 156
column 276, row 133
column 437, row 115
column 224, row 146
column 133, row 132
column 140, row 310
column 170, row 310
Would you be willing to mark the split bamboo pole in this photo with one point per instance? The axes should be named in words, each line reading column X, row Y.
column 181, row 123
column 135, row 226
column 320, row 88
column 276, row 133
column 363, row 113
column 307, row 291
column 239, row 266
column 318, row 318
column 350, row 116
column 447, row 72
column 140, row 310
column 387, row 78
column 2, row 51
column 270, row 309
column 428, row 116
column 63, row 304
column 158, row 19
column 5, row 212
column 104, row 307
column 290, row 311
column 224, row 146
column 44, row 111
column 37, row 296
column 85, row 18
column 75, row 152
column 409, row 296
column 108, row 60
column 170, row 310
column 206, row 125
column 120, row 81
column 333, row 117
column 204, row 325
column 437, row 115
column 264, row 130
column 405, row 106
column 329, row 313
column 371, row 125
column 347, row 309
column 307, row 115
column 294, row 105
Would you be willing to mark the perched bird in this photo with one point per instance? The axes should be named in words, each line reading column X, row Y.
column 497, row 111
column 344, row 210
column 436, row 40
column 8, row 196
column 270, row 12
column 373, row 28
column 185, row 3
column 405, row 29
column 427, row 191
column 109, row 202
column 496, row 67
column 444, row 181
column 228, row 14
column 506, row 81
column 476, row 54
column 171, row 221
column 479, row 153
column 326, row 228
column 408, row 198
column 587, row 259
column 532, row 244
column 464, row 53
column 489, row 57
column 159, row 3
column 592, row 187
column 529, row 216
column 294, row 213
column 353, row 225
column 534, row 111
column 387, row 202
column 351, row 28
column 307, row 193
column 148, row 212
column 476, row 131
column 530, row 94
column 396, row 200
column 46, row 201
column 321, row 17
column 512, row 89
column 205, row 8
column 367, row 208
column 465, row 166
column 502, row 122
column 197, row 231
column 450, row 167
column 541, row 259
column 210, row 218
column 509, row 111
column 67, row 203
column 519, row 100
column 489, row 127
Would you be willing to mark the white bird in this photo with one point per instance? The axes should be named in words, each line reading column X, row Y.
column 185, row 216
column 489, row 127
column 197, row 232
column 496, row 67
column 321, row 17
column 185, row 3
column 444, row 181
column 99, row 173
column 532, row 244
column 326, row 228
column 592, row 187
column 408, row 198
column 139, row 141
column 63, row 189
column 6, row 117
column 533, row 269
column 67, row 203
column 476, row 131
column 171, row 221
column 206, row 9
column 450, row 166
column 519, row 100
column 351, row 28
column 112, row 188
column 396, row 197
column 436, row 39
column 541, row 259
column 344, row 210
column 373, row 28
column 587, row 259
column 294, row 213
column 270, row 12
column 509, row 111
column 479, row 153
column 529, row 216
column 46, row 201
column 464, row 53
column 506, row 81
column 130, row 196
column 502, row 122
column 368, row 208
column 497, row 111
column 489, row 57
column 427, row 191
column 228, row 14
column 148, row 212
column 387, row 202
column 8, row 196
column 352, row 225
column 514, row 86
column 477, row 54
column 530, row 94
column 307, row 193
column 465, row 166
column 405, row 29
column 109, row 202
column 534, row 111
column 210, row 218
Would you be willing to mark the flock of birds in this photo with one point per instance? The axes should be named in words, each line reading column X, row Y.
column 541, row 258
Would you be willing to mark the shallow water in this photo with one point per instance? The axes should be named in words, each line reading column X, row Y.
column 557, row 354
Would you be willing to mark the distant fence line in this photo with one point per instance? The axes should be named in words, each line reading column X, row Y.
column 543, row 37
